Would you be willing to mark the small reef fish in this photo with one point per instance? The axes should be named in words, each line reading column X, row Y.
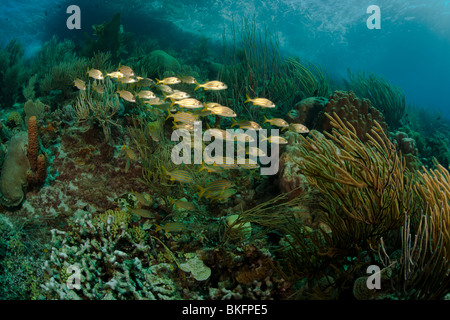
column 262, row 102
column 115, row 75
column 211, row 85
column 209, row 168
column 98, row 87
column 126, row 71
column 142, row 212
column 96, row 74
column 223, row 111
column 293, row 114
column 276, row 122
column 79, row 84
column 177, row 95
column 129, row 155
column 187, row 79
column 154, row 129
column 164, row 88
column 211, row 105
column 246, row 125
column 167, row 81
column 126, row 95
column 171, row 227
column 189, row 103
column 127, row 80
column 214, row 188
column 154, row 101
column 202, row 113
column 275, row 139
column 144, row 82
column 182, row 117
column 297, row 128
column 143, row 198
column 178, row 175
column 145, row 94
column 186, row 205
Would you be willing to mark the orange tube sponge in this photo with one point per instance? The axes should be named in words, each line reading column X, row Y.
column 33, row 144
column 41, row 171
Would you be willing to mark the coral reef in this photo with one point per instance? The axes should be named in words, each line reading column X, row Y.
column 358, row 112
column 113, row 266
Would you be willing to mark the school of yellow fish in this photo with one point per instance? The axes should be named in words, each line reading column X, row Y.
column 135, row 89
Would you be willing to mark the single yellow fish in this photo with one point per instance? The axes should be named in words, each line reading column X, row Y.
column 145, row 94
column 171, row 227
column 211, row 85
column 297, row 128
column 277, row 122
column 126, row 95
column 223, row 111
column 143, row 199
column 275, row 139
column 142, row 212
column 177, row 95
column 126, row 71
column 115, row 75
column 246, row 125
column 189, row 103
column 127, row 80
column 96, row 74
column 167, row 81
column 186, row 205
column 183, row 117
column 214, row 187
column 79, row 84
column 187, row 79
column 178, row 175
column 262, row 102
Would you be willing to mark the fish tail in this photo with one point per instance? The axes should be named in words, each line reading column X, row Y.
column 170, row 114
column 173, row 102
column 198, row 85
column 158, row 227
column 165, row 96
column 234, row 122
column 201, row 192
column 164, row 170
column 265, row 119
column 248, row 99
column 157, row 81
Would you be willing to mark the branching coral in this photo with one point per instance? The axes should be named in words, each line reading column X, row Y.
column 111, row 264
column 91, row 106
column 364, row 189
column 313, row 79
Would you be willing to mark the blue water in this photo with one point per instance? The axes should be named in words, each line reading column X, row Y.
column 410, row 50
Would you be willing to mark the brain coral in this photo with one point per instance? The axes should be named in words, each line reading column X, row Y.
column 14, row 172
column 359, row 112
